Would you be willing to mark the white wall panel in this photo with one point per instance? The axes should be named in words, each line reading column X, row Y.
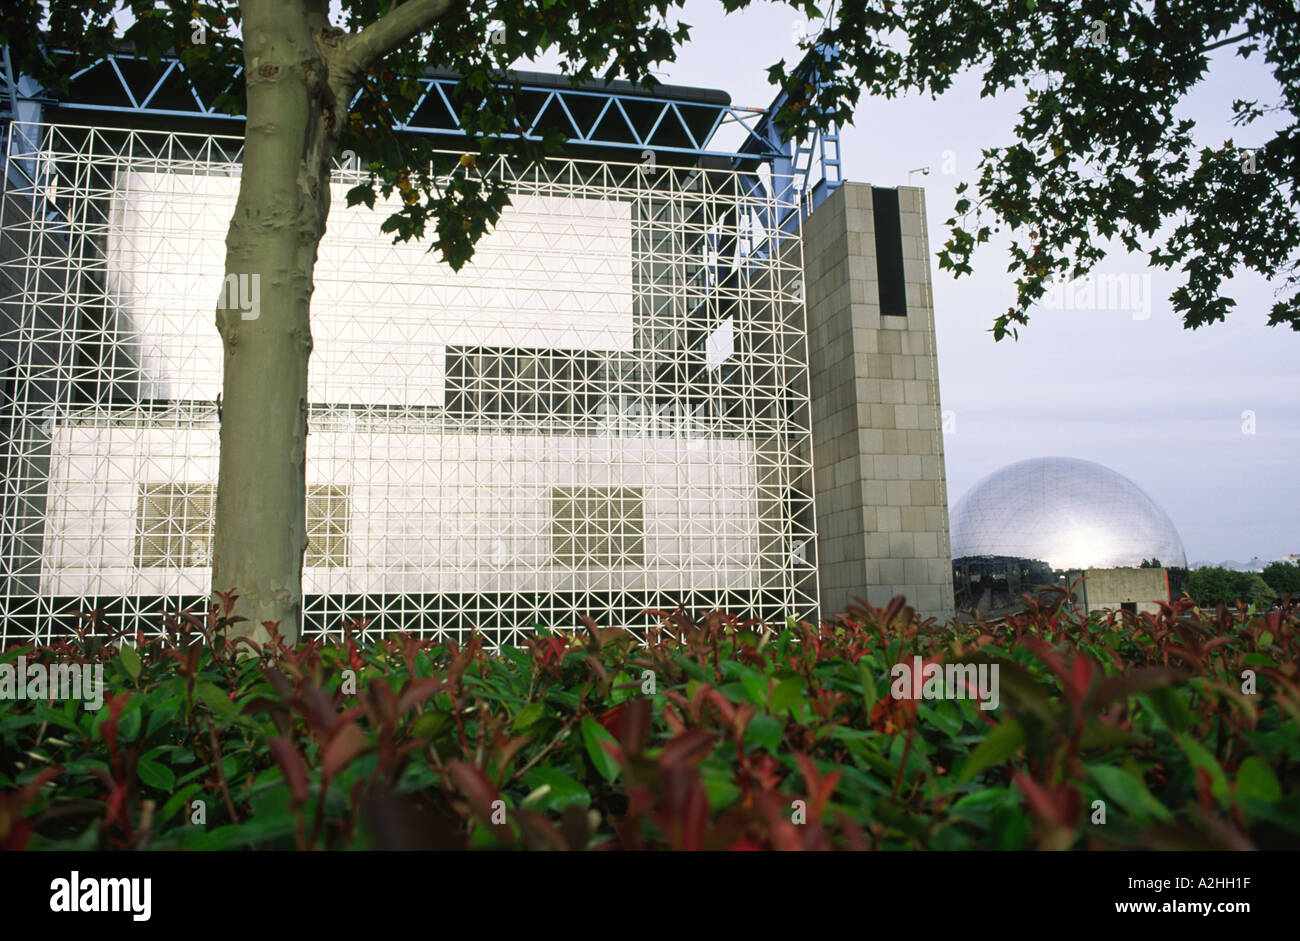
column 556, row 273
column 428, row 512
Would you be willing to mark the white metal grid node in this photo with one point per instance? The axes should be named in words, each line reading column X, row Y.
column 606, row 410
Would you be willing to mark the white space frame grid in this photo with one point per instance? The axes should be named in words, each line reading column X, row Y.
column 605, row 411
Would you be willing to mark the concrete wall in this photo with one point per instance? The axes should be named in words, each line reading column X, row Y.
column 882, row 501
column 1109, row 588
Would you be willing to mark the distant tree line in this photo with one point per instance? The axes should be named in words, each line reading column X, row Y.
column 1213, row 585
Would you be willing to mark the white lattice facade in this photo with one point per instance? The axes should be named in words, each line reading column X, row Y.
column 597, row 416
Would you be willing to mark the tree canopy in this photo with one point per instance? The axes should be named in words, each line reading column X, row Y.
column 1282, row 577
column 1212, row 585
column 1101, row 150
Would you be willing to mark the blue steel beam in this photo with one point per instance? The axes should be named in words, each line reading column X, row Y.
column 622, row 120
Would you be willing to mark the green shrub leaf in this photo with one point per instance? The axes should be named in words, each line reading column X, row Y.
column 1001, row 743
column 1200, row 757
column 156, row 775
column 1129, row 792
column 593, row 736
column 787, row 695
column 560, row 791
column 765, row 732
column 130, row 662
column 1256, row 780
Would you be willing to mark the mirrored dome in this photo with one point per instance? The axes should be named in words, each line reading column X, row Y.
column 1067, row 513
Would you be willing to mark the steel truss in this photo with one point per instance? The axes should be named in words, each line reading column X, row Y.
column 120, row 89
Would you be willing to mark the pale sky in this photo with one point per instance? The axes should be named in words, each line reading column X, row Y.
column 1158, row 403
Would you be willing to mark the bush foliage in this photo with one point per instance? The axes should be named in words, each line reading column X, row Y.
column 1282, row 577
column 1212, row 585
column 708, row 733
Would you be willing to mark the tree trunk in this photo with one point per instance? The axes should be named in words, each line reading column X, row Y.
column 293, row 121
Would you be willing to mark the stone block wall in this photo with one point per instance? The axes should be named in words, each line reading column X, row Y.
column 881, row 493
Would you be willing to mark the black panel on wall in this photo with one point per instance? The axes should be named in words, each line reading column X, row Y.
column 889, row 252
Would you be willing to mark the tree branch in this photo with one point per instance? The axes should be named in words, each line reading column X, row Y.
column 1229, row 41
column 383, row 36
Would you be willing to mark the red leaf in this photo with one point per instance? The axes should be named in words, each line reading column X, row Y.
column 539, row 832
column 1205, row 788
column 1058, row 805
column 685, row 747
column 611, row 720
column 342, row 748
column 636, row 726
column 419, row 691
column 819, row 789
column 291, row 766
column 480, row 793
column 346, row 716
column 696, row 818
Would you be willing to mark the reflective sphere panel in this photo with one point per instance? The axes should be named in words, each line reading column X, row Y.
column 1069, row 513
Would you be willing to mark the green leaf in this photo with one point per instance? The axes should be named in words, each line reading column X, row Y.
column 617, row 695
column 878, row 763
column 44, row 713
column 719, row 787
column 362, row 193
column 155, row 775
column 765, row 732
column 868, row 681
column 787, row 695
column 1168, row 705
column 430, row 725
column 1001, row 743
column 1256, row 780
column 272, row 816
column 561, row 791
column 178, row 801
column 1010, row 829
column 1098, row 734
column 916, row 758
column 1019, row 688
column 130, row 662
column 528, row 715
column 1260, row 810
column 196, row 838
column 979, row 803
column 1129, row 792
column 755, row 688
column 593, row 735
column 943, row 716
column 1200, row 757
column 212, row 697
